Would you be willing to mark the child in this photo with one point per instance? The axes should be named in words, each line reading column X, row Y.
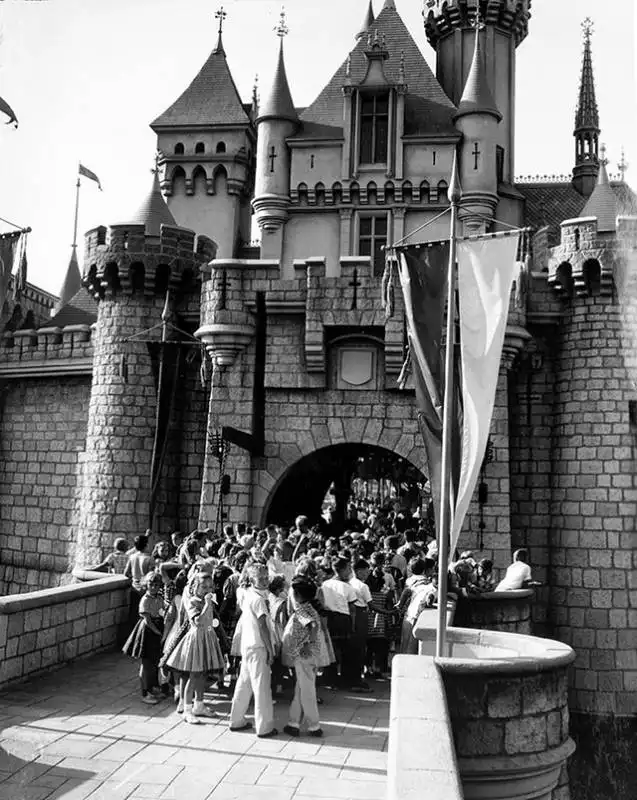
column 361, row 623
column 115, row 562
column 198, row 653
column 378, row 632
column 340, row 598
column 257, row 655
column 173, row 598
column 145, row 640
column 139, row 563
column 485, row 580
column 277, row 597
column 300, row 651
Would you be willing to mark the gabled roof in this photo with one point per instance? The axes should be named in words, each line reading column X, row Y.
column 211, row 99
column 550, row 203
column 428, row 110
column 80, row 310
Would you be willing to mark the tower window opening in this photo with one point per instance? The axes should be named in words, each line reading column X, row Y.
column 372, row 239
column 221, row 148
column 499, row 163
column 374, row 129
column 200, row 147
column 577, row 238
column 179, row 149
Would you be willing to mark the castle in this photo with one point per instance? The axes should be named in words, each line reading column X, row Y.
column 196, row 377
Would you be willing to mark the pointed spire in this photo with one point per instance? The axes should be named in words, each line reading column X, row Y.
column 153, row 212
column 389, row 4
column 368, row 21
column 221, row 15
column 477, row 97
column 72, row 282
column 279, row 104
column 587, row 115
column 602, row 204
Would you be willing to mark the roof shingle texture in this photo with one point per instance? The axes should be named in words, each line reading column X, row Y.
column 211, row 99
column 603, row 203
column 80, row 310
column 153, row 211
column 428, row 110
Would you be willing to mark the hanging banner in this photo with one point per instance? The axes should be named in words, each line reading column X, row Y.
column 486, row 271
column 423, row 274
column 9, row 250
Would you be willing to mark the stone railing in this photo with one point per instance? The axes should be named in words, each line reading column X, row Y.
column 46, row 629
column 497, row 611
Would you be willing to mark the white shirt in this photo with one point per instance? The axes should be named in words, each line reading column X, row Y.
column 337, row 595
column 253, row 606
column 516, row 575
column 363, row 595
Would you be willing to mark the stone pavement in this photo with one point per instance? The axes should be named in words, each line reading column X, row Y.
column 81, row 732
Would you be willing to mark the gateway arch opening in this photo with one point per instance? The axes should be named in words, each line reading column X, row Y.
column 334, row 476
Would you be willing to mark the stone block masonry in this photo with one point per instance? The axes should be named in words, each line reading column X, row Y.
column 43, row 630
column 42, row 435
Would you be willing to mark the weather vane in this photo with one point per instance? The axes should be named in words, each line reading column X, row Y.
column 587, row 27
column 221, row 16
column 282, row 28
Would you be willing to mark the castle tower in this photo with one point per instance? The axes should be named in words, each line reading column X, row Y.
column 450, row 30
column 478, row 119
column 593, row 498
column 206, row 141
column 277, row 120
column 587, row 130
column 131, row 269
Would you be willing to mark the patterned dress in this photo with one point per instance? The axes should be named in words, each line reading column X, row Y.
column 199, row 649
column 143, row 642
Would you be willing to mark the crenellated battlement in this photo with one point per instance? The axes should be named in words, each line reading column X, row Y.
column 124, row 258
column 47, row 351
column 587, row 261
column 442, row 17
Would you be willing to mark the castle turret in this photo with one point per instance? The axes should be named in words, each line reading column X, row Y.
column 449, row 29
column 72, row 282
column 131, row 268
column 206, row 141
column 368, row 21
column 587, row 129
column 477, row 119
column 277, row 120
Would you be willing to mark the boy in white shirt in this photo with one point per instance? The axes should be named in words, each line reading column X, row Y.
column 257, row 655
column 361, row 624
column 340, row 601
column 518, row 574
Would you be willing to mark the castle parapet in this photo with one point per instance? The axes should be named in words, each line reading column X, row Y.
column 123, row 258
column 47, row 351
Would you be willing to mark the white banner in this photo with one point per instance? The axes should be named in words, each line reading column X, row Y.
column 486, row 271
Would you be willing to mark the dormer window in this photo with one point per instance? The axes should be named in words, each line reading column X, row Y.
column 374, row 128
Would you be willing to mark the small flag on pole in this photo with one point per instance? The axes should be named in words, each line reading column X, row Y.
column 85, row 172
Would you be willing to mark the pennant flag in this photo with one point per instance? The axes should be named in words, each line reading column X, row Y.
column 486, row 271
column 91, row 175
column 6, row 109
column 423, row 272
column 9, row 246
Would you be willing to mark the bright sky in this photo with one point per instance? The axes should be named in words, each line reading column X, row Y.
column 85, row 78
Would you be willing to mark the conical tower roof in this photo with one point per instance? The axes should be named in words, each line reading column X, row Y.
column 603, row 202
column 587, row 114
column 153, row 212
column 367, row 21
column 211, row 99
column 72, row 282
column 477, row 97
column 278, row 104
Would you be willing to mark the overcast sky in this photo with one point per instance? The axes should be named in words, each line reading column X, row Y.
column 86, row 77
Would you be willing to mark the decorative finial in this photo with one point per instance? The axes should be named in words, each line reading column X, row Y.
column 401, row 74
column 348, row 66
column 587, row 26
column 602, row 151
column 255, row 90
column 282, row 29
column 478, row 22
column 623, row 166
column 221, row 16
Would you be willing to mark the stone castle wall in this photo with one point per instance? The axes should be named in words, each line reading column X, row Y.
column 42, row 435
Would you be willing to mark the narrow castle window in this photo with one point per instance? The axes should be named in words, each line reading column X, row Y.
column 374, row 129
column 179, row 149
column 499, row 163
column 200, row 147
column 221, row 148
column 372, row 238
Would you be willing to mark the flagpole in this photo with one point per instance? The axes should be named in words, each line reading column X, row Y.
column 77, row 209
column 454, row 194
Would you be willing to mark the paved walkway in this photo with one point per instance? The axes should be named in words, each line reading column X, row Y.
column 82, row 733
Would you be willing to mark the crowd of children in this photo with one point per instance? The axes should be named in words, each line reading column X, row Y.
column 275, row 607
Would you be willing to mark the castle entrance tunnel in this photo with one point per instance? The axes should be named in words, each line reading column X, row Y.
column 331, row 477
